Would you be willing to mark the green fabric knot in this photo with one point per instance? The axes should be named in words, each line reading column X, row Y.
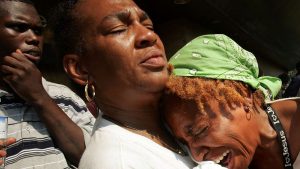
column 219, row 57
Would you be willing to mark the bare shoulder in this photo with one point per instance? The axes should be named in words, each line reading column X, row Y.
column 287, row 106
column 289, row 115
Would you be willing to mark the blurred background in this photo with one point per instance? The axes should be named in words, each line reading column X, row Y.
column 270, row 29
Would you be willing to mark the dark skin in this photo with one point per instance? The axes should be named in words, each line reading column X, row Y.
column 289, row 115
column 22, row 39
column 125, row 60
column 246, row 139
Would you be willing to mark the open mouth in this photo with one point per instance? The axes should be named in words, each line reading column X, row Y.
column 224, row 159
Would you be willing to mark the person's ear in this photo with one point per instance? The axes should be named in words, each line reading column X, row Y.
column 74, row 68
column 248, row 108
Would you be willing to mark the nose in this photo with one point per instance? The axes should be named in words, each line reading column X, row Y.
column 32, row 38
column 145, row 37
column 198, row 152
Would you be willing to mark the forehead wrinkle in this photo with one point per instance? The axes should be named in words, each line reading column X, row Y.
column 120, row 15
column 34, row 22
column 126, row 14
column 25, row 18
column 142, row 14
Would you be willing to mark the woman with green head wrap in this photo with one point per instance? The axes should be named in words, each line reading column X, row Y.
column 217, row 106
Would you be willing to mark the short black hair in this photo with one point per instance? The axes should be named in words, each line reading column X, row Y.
column 66, row 28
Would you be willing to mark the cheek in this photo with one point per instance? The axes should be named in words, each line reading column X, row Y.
column 10, row 37
column 41, row 44
column 115, row 54
column 9, row 46
column 116, row 43
column 160, row 44
column 217, row 134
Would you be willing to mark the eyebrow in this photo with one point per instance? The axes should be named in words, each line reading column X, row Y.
column 21, row 19
column 23, row 22
column 124, row 15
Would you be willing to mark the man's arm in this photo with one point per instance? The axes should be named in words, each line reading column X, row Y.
column 65, row 133
column 26, row 80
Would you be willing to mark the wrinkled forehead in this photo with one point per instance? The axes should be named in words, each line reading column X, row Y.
column 99, row 9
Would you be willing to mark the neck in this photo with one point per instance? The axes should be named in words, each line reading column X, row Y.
column 270, row 146
column 289, row 114
column 267, row 157
column 140, row 116
column 136, row 110
column 148, row 119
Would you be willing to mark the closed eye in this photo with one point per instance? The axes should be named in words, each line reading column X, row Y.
column 196, row 132
column 148, row 24
column 118, row 29
column 150, row 27
column 201, row 131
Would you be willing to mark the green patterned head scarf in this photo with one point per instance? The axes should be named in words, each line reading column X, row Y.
column 219, row 57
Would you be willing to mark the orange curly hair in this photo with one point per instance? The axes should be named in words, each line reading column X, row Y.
column 228, row 93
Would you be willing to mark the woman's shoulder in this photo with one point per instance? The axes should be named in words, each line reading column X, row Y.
column 284, row 100
column 291, row 102
column 286, row 106
column 112, row 146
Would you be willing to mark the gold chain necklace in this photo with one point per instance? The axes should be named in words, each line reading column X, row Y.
column 144, row 133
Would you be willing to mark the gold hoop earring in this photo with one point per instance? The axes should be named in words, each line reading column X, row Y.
column 86, row 92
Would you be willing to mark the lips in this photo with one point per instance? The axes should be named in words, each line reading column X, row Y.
column 33, row 55
column 154, row 59
column 223, row 158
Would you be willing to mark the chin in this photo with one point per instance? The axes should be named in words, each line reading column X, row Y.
column 154, row 87
column 159, row 83
column 157, row 80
